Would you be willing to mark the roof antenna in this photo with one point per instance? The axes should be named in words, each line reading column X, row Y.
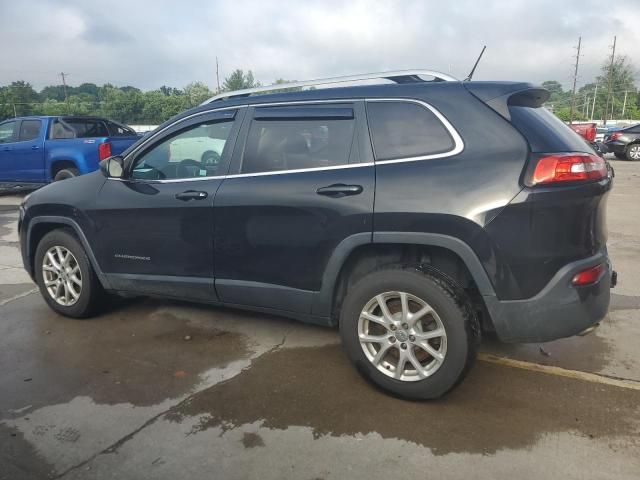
column 473, row 70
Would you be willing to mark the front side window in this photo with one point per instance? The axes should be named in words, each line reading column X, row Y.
column 6, row 131
column 406, row 130
column 192, row 153
column 277, row 144
column 29, row 129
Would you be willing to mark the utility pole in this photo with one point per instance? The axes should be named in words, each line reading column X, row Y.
column 593, row 106
column 64, row 83
column 610, row 80
column 575, row 80
column 624, row 104
column 585, row 106
column 217, row 75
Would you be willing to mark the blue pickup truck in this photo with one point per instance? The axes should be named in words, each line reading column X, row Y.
column 39, row 150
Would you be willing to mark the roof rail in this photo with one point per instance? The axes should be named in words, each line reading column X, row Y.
column 397, row 76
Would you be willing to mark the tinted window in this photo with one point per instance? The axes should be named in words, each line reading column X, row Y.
column 634, row 129
column 61, row 130
column 404, row 130
column 6, row 131
column 29, row 129
column 117, row 130
column 296, row 143
column 194, row 152
column 87, row 127
column 545, row 132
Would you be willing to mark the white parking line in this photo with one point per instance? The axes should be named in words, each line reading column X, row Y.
column 16, row 297
column 560, row 372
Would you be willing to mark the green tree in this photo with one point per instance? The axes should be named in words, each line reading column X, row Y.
column 617, row 80
column 238, row 80
column 196, row 93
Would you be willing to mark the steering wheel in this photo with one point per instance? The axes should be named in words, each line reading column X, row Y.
column 188, row 168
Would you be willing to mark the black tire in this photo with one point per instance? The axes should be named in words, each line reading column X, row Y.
column 454, row 310
column 620, row 156
column 66, row 173
column 91, row 297
column 632, row 149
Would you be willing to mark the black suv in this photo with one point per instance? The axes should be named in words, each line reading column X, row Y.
column 625, row 144
column 412, row 215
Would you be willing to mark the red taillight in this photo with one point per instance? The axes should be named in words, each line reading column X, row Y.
column 615, row 136
column 104, row 150
column 590, row 133
column 590, row 275
column 568, row 167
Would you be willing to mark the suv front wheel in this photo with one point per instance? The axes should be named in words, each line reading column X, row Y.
column 410, row 332
column 65, row 276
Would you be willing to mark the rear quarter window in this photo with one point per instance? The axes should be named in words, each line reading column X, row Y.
column 406, row 130
column 545, row 132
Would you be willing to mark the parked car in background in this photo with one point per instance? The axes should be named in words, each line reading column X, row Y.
column 504, row 232
column 588, row 131
column 38, row 150
column 625, row 143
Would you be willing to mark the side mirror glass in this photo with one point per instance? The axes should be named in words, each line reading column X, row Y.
column 112, row 167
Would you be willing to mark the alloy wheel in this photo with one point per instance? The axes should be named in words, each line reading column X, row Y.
column 634, row 152
column 402, row 336
column 62, row 276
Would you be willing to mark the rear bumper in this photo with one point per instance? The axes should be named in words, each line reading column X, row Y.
column 616, row 147
column 559, row 310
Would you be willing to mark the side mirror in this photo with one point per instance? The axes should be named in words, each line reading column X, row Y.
column 112, row 167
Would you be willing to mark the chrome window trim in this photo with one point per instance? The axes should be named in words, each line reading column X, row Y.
column 458, row 144
column 457, row 139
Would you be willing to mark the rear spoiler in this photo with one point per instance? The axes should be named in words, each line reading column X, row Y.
column 500, row 95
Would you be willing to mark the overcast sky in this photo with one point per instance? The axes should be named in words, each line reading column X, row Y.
column 152, row 43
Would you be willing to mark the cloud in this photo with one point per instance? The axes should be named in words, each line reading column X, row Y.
column 149, row 44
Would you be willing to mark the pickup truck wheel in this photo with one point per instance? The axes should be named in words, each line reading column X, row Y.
column 65, row 276
column 66, row 173
column 410, row 332
column 633, row 152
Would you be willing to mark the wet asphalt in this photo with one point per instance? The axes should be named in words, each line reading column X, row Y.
column 159, row 389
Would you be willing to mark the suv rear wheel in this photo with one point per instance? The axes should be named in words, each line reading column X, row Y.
column 65, row 276
column 410, row 332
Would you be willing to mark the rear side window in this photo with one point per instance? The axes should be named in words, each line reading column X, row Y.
column 29, row 129
column 6, row 131
column 406, row 130
column 635, row 129
column 545, row 132
column 117, row 130
column 87, row 127
column 295, row 138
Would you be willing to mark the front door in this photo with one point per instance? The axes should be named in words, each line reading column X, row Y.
column 28, row 152
column 156, row 224
column 8, row 133
column 302, row 184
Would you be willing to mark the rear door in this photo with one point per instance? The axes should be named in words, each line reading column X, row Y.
column 8, row 133
column 301, row 182
column 154, row 228
column 28, row 152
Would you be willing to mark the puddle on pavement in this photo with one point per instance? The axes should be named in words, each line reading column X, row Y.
column 591, row 353
column 19, row 459
column 131, row 355
column 494, row 408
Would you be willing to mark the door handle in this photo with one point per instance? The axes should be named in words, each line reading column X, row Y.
column 192, row 195
column 339, row 190
column 34, row 147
